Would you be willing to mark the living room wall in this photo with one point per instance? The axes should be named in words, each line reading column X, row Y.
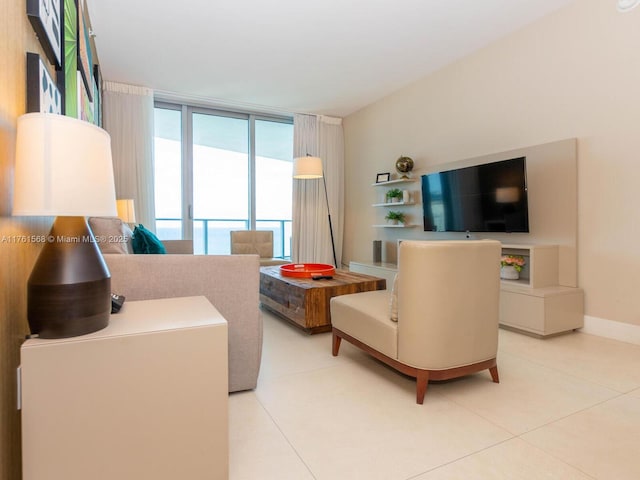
column 16, row 38
column 16, row 257
column 572, row 74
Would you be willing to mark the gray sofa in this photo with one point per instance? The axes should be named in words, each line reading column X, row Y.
column 229, row 282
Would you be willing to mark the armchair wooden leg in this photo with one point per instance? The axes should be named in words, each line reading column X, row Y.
column 422, row 380
column 336, row 344
column 494, row 374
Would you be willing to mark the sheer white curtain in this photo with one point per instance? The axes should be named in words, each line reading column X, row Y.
column 311, row 240
column 128, row 117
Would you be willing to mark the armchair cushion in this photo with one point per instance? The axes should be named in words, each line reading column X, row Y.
column 365, row 316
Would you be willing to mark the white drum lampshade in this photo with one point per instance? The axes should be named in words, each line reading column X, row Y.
column 63, row 168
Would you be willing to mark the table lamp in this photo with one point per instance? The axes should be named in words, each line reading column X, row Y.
column 305, row 168
column 126, row 210
column 63, row 168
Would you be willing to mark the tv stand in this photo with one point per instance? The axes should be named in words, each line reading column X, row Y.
column 536, row 304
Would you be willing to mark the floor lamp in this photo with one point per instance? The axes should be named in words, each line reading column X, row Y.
column 305, row 168
column 64, row 169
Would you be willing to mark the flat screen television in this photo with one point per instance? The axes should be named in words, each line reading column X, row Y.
column 491, row 197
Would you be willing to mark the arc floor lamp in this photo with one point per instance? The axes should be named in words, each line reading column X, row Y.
column 306, row 168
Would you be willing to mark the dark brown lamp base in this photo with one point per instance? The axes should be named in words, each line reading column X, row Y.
column 69, row 290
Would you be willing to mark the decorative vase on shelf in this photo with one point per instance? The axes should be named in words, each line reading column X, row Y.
column 509, row 272
column 405, row 196
column 392, row 222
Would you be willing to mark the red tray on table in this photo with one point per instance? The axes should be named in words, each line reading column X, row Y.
column 306, row 270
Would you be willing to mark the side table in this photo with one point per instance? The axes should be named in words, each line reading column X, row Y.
column 146, row 397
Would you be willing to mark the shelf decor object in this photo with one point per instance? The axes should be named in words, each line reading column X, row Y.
column 511, row 266
column 309, row 168
column 404, row 165
column 63, row 168
column 383, row 177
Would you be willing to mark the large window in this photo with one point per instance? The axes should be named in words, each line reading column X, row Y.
column 221, row 171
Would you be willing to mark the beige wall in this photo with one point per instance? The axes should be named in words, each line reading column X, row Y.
column 16, row 259
column 574, row 73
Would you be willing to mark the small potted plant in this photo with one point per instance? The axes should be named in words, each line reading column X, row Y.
column 394, row 195
column 511, row 266
column 395, row 217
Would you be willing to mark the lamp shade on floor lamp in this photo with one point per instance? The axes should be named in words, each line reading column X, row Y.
column 64, row 168
column 308, row 168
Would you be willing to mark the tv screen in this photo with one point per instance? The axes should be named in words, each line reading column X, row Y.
column 491, row 197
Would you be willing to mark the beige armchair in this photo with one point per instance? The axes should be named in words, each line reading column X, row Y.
column 447, row 295
column 258, row 242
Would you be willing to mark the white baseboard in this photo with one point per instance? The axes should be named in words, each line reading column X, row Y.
column 602, row 327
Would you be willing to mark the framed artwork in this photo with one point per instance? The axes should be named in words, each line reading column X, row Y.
column 67, row 78
column 42, row 92
column 46, row 19
column 85, row 105
column 383, row 177
column 97, row 96
column 85, row 64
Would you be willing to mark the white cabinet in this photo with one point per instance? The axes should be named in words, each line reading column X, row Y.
column 536, row 303
column 379, row 269
column 145, row 397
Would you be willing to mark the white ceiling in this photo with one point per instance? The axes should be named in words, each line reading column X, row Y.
column 328, row 57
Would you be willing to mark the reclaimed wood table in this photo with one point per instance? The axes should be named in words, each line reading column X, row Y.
column 304, row 301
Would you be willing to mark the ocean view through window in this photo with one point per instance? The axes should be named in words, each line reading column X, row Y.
column 221, row 171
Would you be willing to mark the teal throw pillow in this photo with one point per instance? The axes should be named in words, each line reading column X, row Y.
column 144, row 241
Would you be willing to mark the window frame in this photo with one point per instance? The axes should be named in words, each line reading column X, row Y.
column 187, row 111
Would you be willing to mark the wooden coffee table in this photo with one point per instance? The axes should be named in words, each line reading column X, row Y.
column 305, row 302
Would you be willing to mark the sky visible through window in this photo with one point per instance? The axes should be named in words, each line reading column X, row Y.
column 221, row 168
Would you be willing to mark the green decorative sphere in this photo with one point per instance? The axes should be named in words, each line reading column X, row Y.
column 404, row 164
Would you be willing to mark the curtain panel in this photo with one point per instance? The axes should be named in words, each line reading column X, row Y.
column 320, row 136
column 128, row 117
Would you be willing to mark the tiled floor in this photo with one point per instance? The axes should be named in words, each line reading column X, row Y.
column 566, row 408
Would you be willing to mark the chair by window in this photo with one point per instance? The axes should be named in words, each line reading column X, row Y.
column 258, row 242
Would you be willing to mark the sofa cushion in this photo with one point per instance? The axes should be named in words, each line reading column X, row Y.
column 112, row 234
column 145, row 241
column 365, row 316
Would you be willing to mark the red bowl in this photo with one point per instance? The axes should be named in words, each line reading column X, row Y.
column 306, row 270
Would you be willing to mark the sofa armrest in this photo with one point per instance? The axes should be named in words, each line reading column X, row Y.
column 229, row 282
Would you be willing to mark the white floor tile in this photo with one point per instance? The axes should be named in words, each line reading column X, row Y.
column 257, row 448
column 360, row 421
column 528, row 395
column 513, row 459
column 601, row 360
column 602, row 441
column 567, row 407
